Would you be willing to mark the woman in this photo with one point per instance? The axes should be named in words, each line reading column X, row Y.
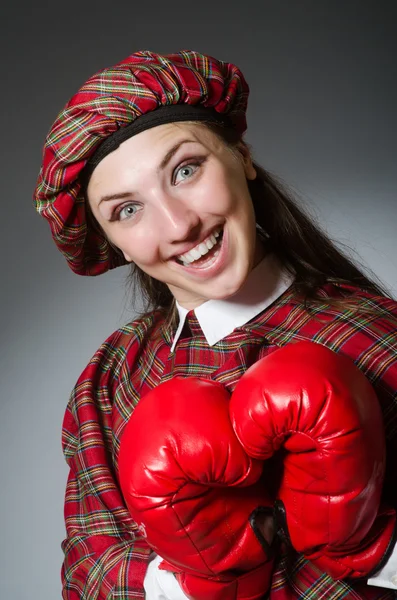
column 146, row 165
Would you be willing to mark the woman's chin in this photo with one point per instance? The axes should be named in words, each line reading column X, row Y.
column 223, row 288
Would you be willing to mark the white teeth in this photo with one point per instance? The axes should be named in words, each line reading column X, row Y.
column 200, row 250
column 195, row 253
column 209, row 261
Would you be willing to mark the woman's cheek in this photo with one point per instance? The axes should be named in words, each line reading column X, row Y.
column 213, row 198
column 146, row 251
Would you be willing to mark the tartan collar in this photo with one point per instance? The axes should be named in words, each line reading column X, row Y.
column 218, row 318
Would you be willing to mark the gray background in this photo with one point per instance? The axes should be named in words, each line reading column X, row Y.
column 321, row 114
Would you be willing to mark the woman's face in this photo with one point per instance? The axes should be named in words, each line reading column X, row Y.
column 174, row 199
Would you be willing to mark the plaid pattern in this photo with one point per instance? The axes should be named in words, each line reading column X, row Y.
column 110, row 99
column 105, row 557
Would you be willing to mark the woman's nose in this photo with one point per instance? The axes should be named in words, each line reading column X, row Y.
column 176, row 219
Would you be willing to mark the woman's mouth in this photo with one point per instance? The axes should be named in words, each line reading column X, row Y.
column 204, row 253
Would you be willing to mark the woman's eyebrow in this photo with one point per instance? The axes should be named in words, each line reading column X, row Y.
column 116, row 196
column 171, row 152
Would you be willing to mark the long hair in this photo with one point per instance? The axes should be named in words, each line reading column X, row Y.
column 294, row 237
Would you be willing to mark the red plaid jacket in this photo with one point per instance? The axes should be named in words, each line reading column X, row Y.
column 105, row 557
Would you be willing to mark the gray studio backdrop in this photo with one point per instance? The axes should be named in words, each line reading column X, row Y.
column 322, row 115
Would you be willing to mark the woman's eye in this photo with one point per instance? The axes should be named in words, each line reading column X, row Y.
column 186, row 171
column 127, row 211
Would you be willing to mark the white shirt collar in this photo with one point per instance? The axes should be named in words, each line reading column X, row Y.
column 217, row 318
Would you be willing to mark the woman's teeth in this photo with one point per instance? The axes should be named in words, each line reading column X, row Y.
column 201, row 249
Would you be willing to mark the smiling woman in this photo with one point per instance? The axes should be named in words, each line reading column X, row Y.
column 163, row 207
column 147, row 165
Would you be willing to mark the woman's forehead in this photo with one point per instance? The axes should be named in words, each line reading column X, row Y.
column 152, row 145
column 166, row 133
column 149, row 151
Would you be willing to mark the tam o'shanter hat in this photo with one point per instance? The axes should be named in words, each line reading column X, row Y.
column 142, row 91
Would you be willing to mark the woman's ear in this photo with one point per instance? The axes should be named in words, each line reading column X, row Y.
column 249, row 169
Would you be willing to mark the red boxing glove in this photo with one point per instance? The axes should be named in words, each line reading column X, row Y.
column 322, row 410
column 192, row 488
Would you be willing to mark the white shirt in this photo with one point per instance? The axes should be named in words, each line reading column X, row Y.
column 217, row 319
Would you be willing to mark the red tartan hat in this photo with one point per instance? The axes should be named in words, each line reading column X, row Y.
column 110, row 105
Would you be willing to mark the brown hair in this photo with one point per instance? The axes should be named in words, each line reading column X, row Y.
column 290, row 233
